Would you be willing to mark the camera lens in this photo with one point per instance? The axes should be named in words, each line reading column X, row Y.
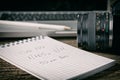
column 95, row 30
column 100, row 30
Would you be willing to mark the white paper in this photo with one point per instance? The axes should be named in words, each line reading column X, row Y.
column 52, row 60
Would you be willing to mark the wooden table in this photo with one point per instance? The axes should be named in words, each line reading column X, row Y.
column 10, row 72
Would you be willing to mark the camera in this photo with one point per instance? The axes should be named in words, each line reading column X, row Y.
column 99, row 30
column 95, row 30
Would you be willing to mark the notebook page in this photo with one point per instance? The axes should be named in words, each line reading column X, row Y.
column 50, row 59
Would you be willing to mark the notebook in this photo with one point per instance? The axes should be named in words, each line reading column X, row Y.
column 49, row 59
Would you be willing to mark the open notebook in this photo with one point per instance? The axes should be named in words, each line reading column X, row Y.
column 49, row 59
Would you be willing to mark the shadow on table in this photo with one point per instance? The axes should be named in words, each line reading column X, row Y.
column 112, row 73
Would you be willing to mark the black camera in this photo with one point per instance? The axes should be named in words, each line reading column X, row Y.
column 99, row 30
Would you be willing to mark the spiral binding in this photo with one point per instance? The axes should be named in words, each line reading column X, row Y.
column 22, row 41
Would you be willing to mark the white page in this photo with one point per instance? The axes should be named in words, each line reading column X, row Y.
column 50, row 59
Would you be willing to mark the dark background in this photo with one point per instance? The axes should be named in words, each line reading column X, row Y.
column 53, row 5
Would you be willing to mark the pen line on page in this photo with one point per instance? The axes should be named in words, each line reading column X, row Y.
column 34, row 25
